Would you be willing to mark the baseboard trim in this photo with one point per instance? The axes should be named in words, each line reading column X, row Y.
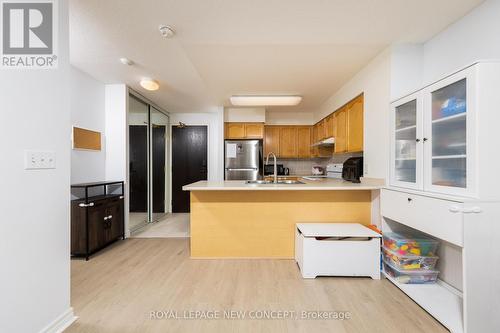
column 61, row 323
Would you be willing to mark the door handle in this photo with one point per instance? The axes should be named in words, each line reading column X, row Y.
column 471, row 210
column 110, row 217
column 91, row 204
column 454, row 209
column 105, row 218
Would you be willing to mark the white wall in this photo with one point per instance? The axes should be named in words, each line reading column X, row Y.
column 87, row 111
column 374, row 82
column 474, row 37
column 235, row 115
column 289, row 118
column 215, row 122
column 406, row 69
column 116, row 100
column 34, row 245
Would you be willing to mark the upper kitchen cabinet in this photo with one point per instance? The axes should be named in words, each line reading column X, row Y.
column 321, row 130
column 448, row 122
column 436, row 134
column 406, row 129
column 341, row 130
column 244, row 130
column 288, row 142
column 254, row 130
column 355, row 125
column 304, row 136
column 330, row 126
column 272, row 140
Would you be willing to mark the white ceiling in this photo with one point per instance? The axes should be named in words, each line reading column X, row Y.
column 226, row 47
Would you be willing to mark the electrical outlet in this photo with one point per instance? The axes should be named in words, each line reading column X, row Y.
column 39, row 160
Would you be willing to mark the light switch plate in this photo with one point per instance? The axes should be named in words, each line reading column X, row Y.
column 34, row 159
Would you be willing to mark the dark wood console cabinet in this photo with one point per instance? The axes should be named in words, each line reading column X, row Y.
column 97, row 220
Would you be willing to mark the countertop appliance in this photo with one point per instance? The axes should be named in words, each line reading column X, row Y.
column 334, row 170
column 317, row 170
column 353, row 169
column 243, row 160
column 269, row 169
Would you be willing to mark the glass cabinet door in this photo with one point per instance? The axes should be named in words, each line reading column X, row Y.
column 406, row 150
column 449, row 135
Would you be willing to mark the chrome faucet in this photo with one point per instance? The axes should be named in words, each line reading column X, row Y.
column 275, row 167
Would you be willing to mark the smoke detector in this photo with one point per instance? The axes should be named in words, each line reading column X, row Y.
column 166, row 31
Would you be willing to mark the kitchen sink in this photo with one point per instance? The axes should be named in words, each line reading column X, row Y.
column 259, row 182
column 281, row 182
column 290, row 182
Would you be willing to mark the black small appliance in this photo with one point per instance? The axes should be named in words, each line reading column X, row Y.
column 353, row 169
column 269, row 169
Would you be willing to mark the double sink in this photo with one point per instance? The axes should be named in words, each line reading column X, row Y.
column 281, row 182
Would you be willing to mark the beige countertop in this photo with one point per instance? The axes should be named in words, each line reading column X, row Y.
column 309, row 185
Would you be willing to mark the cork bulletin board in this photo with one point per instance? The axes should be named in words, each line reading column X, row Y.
column 86, row 139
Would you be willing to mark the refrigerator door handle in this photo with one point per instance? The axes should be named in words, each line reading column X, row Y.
column 242, row 169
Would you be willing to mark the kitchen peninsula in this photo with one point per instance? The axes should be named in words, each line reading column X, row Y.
column 233, row 219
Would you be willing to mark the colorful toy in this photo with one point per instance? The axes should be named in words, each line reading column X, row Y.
column 410, row 244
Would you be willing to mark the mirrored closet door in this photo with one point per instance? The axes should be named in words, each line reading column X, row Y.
column 148, row 163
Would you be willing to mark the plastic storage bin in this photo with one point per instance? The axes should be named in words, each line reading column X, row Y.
column 409, row 262
column 411, row 277
column 410, row 244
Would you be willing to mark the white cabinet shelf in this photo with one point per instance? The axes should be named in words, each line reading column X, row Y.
column 440, row 300
column 450, row 118
column 447, row 157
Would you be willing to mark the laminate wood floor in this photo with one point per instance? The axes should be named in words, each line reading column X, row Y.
column 117, row 290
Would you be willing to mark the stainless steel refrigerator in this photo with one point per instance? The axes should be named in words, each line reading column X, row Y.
column 243, row 159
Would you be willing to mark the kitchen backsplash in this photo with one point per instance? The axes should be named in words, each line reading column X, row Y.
column 304, row 166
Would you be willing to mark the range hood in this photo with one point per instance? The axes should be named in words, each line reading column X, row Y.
column 325, row 142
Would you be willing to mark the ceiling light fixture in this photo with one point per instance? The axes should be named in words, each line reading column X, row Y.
column 166, row 31
column 126, row 61
column 150, row 84
column 281, row 100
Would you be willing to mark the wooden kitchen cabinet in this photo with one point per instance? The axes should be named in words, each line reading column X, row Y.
column 272, row 140
column 304, row 136
column 341, row 130
column 321, row 130
column 244, row 131
column 254, row 130
column 329, row 126
column 355, row 125
column 235, row 130
column 288, row 142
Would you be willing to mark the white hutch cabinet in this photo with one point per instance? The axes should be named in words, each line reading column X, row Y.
column 445, row 181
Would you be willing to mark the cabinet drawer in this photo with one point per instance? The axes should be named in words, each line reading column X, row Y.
column 430, row 215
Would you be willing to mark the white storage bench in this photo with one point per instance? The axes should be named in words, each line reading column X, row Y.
column 337, row 249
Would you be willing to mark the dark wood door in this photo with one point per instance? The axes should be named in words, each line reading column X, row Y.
column 97, row 230
column 114, row 213
column 189, row 162
column 138, row 150
column 159, row 150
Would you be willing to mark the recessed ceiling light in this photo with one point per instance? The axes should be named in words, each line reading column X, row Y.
column 126, row 61
column 150, row 84
column 281, row 100
column 166, row 31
